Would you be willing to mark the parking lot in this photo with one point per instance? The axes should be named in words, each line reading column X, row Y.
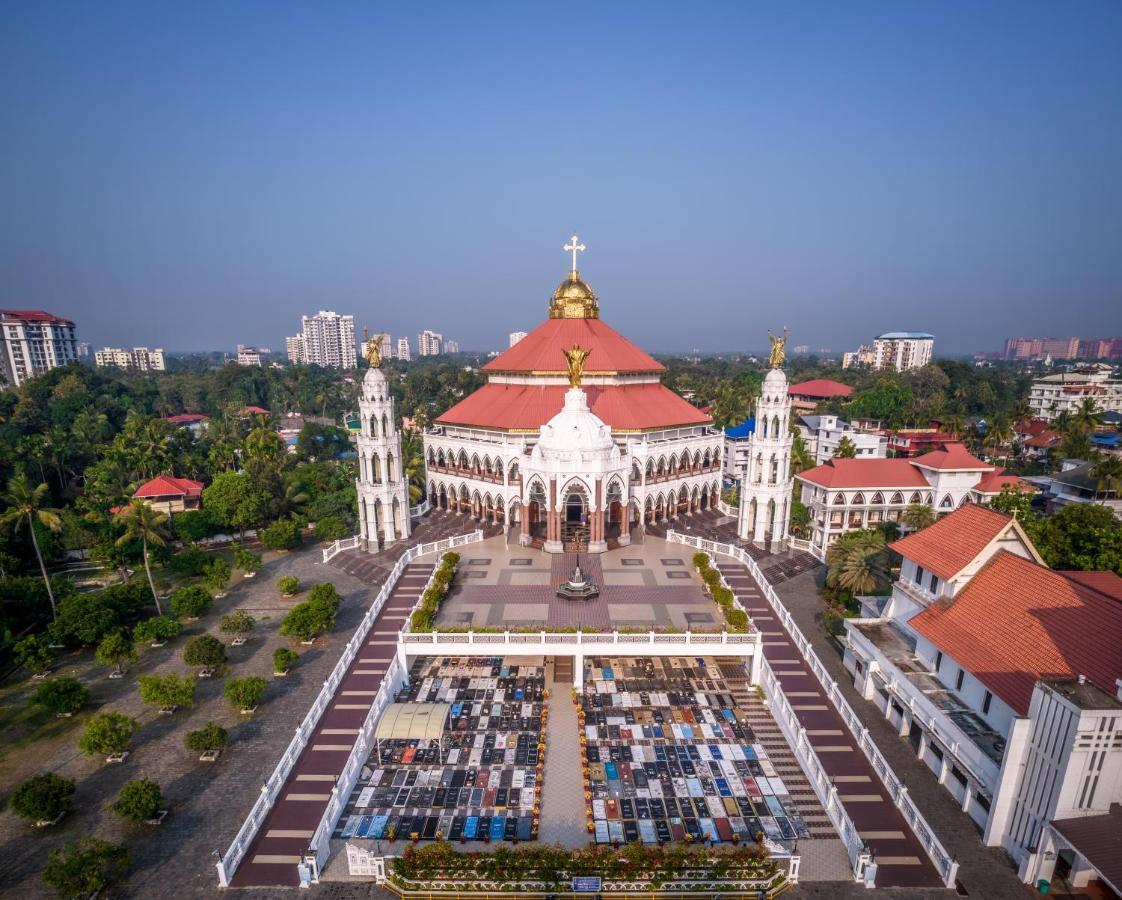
column 670, row 756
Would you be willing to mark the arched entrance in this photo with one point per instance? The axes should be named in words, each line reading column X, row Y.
column 615, row 525
column 535, row 509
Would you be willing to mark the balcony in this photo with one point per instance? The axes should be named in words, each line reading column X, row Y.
column 920, row 595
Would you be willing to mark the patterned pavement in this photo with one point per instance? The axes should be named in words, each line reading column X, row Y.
column 284, row 835
column 901, row 860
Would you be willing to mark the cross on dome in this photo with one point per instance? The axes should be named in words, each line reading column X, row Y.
column 575, row 248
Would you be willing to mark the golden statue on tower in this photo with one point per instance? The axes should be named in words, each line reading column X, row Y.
column 372, row 348
column 778, row 348
column 575, row 358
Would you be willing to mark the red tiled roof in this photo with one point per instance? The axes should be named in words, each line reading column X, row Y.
column 993, row 482
column 540, row 350
column 1032, row 427
column 32, row 316
column 820, row 388
column 1045, row 440
column 167, row 486
column 252, row 411
column 1017, row 622
column 866, row 473
column 186, row 418
column 947, row 546
column 526, row 407
column 1104, row 582
column 953, row 456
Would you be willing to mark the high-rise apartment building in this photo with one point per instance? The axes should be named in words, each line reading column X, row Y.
column 33, row 342
column 430, row 343
column 249, row 356
column 516, row 336
column 451, row 346
column 138, row 359
column 1063, row 348
column 860, row 358
column 403, row 351
column 328, row 339
column 903, row 350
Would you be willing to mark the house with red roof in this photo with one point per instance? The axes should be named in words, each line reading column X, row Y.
column 806, row 395
column 850, row 494
column 193, row 422
column 1004, row 676
column 171, row 495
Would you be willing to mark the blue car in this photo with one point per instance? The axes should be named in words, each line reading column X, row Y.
column 471, row 827
column 498, row 825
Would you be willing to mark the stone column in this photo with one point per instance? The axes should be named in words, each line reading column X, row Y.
column 553, row 527
column 596, row 542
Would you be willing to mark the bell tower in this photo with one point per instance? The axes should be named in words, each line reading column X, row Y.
column 383, row 490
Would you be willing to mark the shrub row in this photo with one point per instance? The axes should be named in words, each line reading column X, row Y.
column 425, row 615
column 736, row 618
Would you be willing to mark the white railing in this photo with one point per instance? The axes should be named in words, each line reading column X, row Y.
column 945, row 864
column 272, row 787
column 725, row 508
column 415, row 512
column 339, row 546
column 809, row 547
column 667, row 643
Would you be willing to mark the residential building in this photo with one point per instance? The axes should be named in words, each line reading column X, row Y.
column 403, row 351
column 138, row 359
column 171, row 495
column 83, row 349
column 861, row 358
column 34, row 342
column 806, row 395
column 430, row 343
column 737, row 446
column 327, row 339
column 851, row 494
column 1004, row 677
column 194, row 422
column 1029, row 348
column 1065, row 391
column 515, row 337
column 903, row 350
column 909, row 442
column 1076, row 483
column 451, row 346
column 823, row 434
column 248, row 356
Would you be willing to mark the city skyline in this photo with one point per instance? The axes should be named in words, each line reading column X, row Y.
column 974, row 185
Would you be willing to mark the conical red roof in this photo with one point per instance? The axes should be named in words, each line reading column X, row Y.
column 540, row 350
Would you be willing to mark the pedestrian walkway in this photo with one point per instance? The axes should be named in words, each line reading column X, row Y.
column 901, row 860
column 284, row 835
column 562, row 813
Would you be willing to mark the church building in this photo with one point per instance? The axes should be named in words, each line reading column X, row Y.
column 574, row 440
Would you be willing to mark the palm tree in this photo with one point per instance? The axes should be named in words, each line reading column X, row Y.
column 953, row 423
column 1107, row 473
column 1000, row 433
column 917, row 516
column 149, row 525
column 1086, row 416
column 25, row 503
column 801, row 459
column 858, row 562
column 413, row 464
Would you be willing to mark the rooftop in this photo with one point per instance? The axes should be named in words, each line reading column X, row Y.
column 821, row 388
column 169, row 486
column 949, row 545
column 905, row 335
column 866, row 473
column 540, row 351
column 953, row 457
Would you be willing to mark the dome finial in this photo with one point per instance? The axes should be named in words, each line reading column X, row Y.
column 575, row 248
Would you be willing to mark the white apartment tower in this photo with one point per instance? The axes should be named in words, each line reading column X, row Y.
column 429, row 343
column 903, row 350
column 33, row 342
column 138, row 359
column 765, row 484
column 383, row 490
column 403, row 351
column 515, row 337
column 328, row 339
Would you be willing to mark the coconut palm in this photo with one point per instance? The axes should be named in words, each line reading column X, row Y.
column 413, row 464
column 1107, row 473
column 1000, row 433
column 858, row 562
column 148, row 525
column 26, row 503
column 1086, row 416
column 917, row 516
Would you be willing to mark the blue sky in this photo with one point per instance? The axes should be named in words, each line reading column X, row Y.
column 198, row 175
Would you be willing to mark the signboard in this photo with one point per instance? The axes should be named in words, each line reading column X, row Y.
column 586, row 885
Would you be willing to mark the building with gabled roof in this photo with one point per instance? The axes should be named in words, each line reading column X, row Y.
column 806, row 395
column 169, row 494
column 1005, row 677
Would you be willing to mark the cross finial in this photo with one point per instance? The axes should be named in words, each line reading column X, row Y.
column 575, row 248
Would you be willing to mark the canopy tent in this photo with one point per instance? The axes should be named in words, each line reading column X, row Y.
column 413, row 722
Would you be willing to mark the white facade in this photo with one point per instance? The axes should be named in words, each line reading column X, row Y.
column 822, row 434
column 1065, row 392
column 327, row 339
column 138, row 359
column 860, row 358
column 383, row 489
column 34, row 342
column 294, row 348
column 515, row 337
column 903, row 350
column 429, row 343
column 403, row 351
column 766, row 484
column 248, row 356
column 451, row 346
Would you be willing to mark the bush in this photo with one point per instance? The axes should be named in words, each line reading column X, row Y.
column 288, row 585
column 85, row 619
column 421, row 620
column 167, row 690
column 701, row 560
column 193, row 525
column 191, row 602
column 33, row 653
column 210, row 737
column 85, row 867
column 247, row 560
column 284, row 534
column 738, row 619
column 244, row 693
column 711, row 577
column 107, row 732
column 139, row 800
column 156, row 630
column 306, row 620
column 331, row 528
column 42, row 798
column 451, row 557
column 236, row 623
column 284, row 659
column 217, row 574
column 190, row 561
column 204, row 651
column 62, row 695
column 116, row 650
column 325, row 597
column 723, row 596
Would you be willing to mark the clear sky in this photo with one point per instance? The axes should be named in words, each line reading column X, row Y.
column 198, row 175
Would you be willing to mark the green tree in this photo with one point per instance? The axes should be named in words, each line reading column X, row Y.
column 1082, row 537
column 62, row 696
column 846, row 449
column 27, row 504
column 191, row 601
column 204, row 651
column 208, row 738
column 107, row 732
column 1086, row 416
column 217, row 574
column 288, row 585
column 86, row 867
column 284, row 659
column 42, row 798
column 284, row 534
column 116, row 649
column 235, row 501
column 165, row 691
column 1012, row 501
column 306, row 621
column 331, row 528
column 244, row 693
column 157, row 630
column 237, row 623
column 247, row 560
column 1107, row 474
column 917, row 516
column 33, row 653
column 858, row 562
column 139, row 800
column 148, row 525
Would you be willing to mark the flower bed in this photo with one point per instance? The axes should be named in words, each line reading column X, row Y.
column 736, row 617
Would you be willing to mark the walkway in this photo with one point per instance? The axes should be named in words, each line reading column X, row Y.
column 562, row 815
column 284, row 835
column 901, row 860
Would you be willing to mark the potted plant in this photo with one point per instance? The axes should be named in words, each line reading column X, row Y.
column 44, row 799
column 206, row 653
column 156, row 631
column 283, row 660
column 117, row 650
column 108, row 733
column 239, row 624
column 34, row 653
column 191, row 602
column 209, row 741
column 244, row 694
column 167, row 692
column 63, row 696
column 140, row 801
column 248, row 561
column 288, row 585
column 86, row 867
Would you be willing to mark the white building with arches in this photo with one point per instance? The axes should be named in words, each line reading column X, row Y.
column 383, row 491
column 501, row 456
column 766, row 483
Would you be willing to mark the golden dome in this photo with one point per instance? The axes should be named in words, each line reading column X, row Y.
column 574, row 299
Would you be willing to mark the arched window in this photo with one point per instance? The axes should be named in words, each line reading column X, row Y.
column 878, row 499
column 373, row 426
column 650, row 468
column 915, row 498
column 946, row 503
column 440, row 461
column 636, row 475
column 858, row 499
column 897, row 498
column 385, row 425
column 839, row 499
column 431, row 457
column 391, row 471
column 775, row 427
column 513, row 470
column 661, row 470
